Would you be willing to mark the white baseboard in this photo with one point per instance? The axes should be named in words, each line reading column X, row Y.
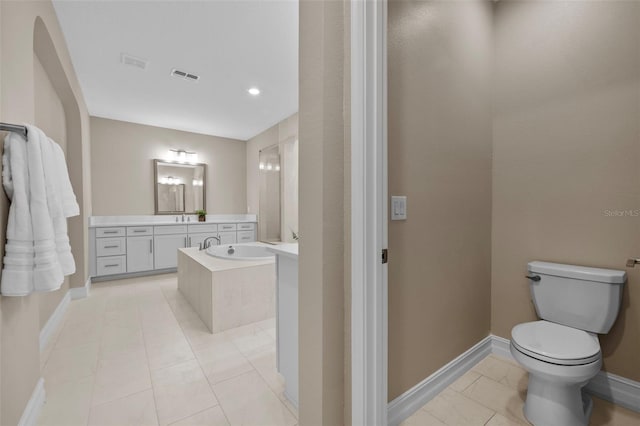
column 54, row 321
column 81, row 292
column 617, row 389
column 34, row 405
column 611, row 387
column 409, row 402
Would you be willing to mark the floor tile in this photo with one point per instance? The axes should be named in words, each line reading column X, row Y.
column 454, row 409
column 422, row 418
column 133, row 410
column 210, row 417
column 67, row 403
column 118, row 378
column 465, row 381
column 494, row 368
column 181, row 391
column 247, row 400
column 221, row 360
column 608, row 414
column 498, row 397
column 500, row 420
column 72, row 363
column 248, row 338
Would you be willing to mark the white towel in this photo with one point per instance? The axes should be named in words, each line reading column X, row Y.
column 59, row 196
column 37, row 254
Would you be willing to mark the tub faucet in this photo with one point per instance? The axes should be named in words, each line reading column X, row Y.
column 207, row 243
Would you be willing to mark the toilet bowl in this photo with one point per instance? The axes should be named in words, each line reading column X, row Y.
column 561, row 352
column 560, row 360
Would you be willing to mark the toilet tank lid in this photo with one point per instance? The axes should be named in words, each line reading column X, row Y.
column 586, row 273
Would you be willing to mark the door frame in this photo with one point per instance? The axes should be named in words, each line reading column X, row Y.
column 369, row 212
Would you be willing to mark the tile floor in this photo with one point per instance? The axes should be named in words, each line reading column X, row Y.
column 135, row 353
column 493, row 394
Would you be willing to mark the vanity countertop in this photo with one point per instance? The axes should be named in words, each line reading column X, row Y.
column 215, row 264
column 289, row 250
column 158, row 220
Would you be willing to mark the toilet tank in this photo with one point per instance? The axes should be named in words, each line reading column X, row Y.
column 577, row 296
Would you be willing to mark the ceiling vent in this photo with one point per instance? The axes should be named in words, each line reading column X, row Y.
column 184, row 75
column 133, row 61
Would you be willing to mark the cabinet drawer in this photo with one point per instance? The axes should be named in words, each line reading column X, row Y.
column 210, row 227
column 111, row 246
column 245, row 237
column 226, row 227
column 112, row 265
column 246, row 226
column 110, row 232
column 170, row 229
column 139, row 231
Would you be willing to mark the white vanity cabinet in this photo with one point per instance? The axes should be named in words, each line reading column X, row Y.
column 139, row 253
column 144, row 248
column 200, row 232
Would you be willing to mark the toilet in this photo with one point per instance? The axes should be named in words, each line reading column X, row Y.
column 561, row 352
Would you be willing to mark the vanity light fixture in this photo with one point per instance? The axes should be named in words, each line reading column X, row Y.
column 269, row 166
column 182, row 156
column 277, row 169
column 198, row 182
column 170, row 180
column 261, row 166
column 254, row 91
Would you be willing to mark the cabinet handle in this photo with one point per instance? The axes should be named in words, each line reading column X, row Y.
column 111, row 246
column 111, row 266
column 139, row 230
column 189, row 241
column 150, row 246
column 185, row 241
column 110, row 232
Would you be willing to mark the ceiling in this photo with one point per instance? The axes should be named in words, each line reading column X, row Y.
column 231, row 45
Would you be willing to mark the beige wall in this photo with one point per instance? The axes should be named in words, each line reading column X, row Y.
column 439, row 136
column 122, row 156
column 22, row 35
column 50, row 117
column 285, row 135
column 323, row 34
column 566, row 150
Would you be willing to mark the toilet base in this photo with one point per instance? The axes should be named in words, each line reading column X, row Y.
column 550, row 403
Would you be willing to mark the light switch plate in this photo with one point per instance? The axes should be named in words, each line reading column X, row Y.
column 398, row 207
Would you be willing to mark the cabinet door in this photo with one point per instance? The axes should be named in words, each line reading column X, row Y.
column 195, row 240
column 139, row 254
column 227, row 237
column 166, row 250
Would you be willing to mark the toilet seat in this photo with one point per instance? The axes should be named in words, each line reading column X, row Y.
column 555, row 343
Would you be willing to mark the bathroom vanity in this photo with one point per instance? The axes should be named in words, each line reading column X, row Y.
column 287, row 317
column 121, row 246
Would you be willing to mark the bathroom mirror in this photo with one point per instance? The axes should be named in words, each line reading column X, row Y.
column 269, row 220
column 179, row 188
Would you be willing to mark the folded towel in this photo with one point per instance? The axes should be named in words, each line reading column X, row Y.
column 59, row 195
column 17, row 273
column 35, row 177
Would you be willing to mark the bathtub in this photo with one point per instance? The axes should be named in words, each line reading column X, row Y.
column 241, row 252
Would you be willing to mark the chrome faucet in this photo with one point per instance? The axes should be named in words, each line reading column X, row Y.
column 207, row 243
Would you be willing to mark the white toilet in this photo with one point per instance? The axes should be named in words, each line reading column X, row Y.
column 561, row 352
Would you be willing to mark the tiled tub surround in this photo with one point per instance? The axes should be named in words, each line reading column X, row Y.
column 227, row 293
column 124, row 245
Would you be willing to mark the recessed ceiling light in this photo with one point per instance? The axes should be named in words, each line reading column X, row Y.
column 254, row 91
